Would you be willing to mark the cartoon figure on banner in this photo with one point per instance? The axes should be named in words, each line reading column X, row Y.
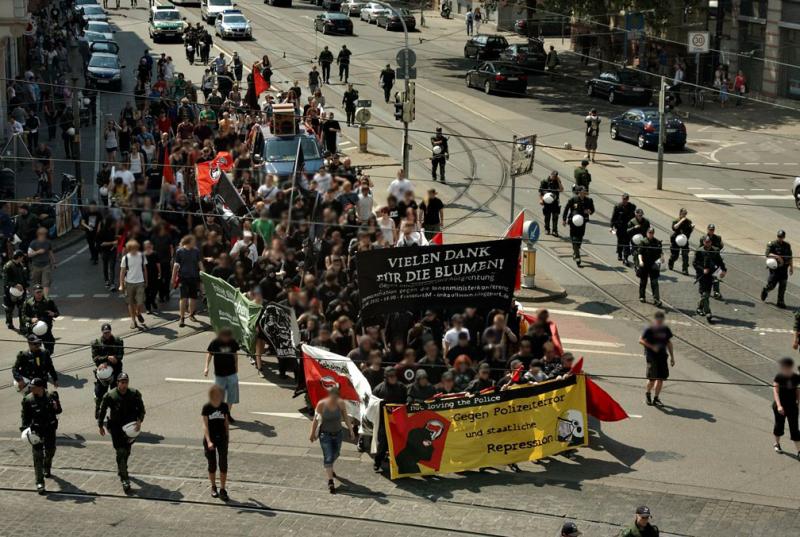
column 570, row 427
column 329, row 383
column 277, row 326
column 419, row 446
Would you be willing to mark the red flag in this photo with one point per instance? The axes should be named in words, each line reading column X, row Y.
column 259, row 82
column 319, row 379
column 437, row 239
column 223, row 161
column 205, row 182
column 554, row 335
column 514, row 231
column 598, row 402
column 169, row 173
column 517, row 375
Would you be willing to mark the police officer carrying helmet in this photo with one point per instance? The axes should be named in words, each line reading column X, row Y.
column 707, row 260
column 33, row 363
column 716, row 242
column 40, row 308
column 439, row 153
column 40, row 411
column 553, row 186
column 622, row 214
column 641, row 526
column 123, row 405
column 107, row 352
column 638, row 225
column 781, row 251
column 579, row 205
column 17, row 275
column 681, row 226
column 648, row 265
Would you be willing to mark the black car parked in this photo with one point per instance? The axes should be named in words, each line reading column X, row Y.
column 391, row 21
column 485, row 47
column 622, row 84
column 529, row 57
column 333, row 23
column 498, row 77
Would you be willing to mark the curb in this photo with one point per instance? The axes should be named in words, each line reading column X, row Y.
column 543, row 295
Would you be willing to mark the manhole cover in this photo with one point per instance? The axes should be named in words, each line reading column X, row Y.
column 630, row 179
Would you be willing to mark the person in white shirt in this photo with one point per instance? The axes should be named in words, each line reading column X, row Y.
column 126, row 175
column 400, row 186
column 268, row 190
column 245, row 243
column 411, row 236
column 324, row 180
column 133, row 281
column 388, row 229
column 450, row 339
column 365, row 202
column 677, row 82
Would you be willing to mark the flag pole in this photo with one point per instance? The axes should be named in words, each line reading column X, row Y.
column 291, row 194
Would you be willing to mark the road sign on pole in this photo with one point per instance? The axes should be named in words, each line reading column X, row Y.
column 698, row 43
column 402, row 54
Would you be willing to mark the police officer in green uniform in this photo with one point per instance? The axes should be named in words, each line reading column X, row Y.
column 716, row 242
column 638, row 225
column 582, row 176
column 107, row 351
column 648, row 265
column 706, row 262
column 39, row 413
column 580, row 204
column 641, row 526
column 39, row 308
column 782, row 251
column 622, row 214
column 123, row 405
column 15, row 274
column 553, row 186
column 33, row 363
column 681, row 226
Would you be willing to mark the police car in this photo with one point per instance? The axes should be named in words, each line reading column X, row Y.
column 232, row 24
column 165, row 23
column 796, row 192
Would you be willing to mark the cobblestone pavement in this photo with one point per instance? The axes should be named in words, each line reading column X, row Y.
column 288, row 493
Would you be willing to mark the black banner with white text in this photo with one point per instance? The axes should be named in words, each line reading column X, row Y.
column 479, row 274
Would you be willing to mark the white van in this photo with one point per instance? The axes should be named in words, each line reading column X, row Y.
column 209, row 9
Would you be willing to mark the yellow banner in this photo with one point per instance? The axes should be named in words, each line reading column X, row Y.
column 523, row 423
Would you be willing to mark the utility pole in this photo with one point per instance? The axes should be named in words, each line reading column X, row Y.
column 662, row 131
column 76, row 123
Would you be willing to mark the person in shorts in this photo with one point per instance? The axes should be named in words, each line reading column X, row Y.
column 186, row 273
column 657, row 342
column 42, row 260
column 133, row 281
column 224, row 351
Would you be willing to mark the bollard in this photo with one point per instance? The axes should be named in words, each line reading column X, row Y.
column 528, row 266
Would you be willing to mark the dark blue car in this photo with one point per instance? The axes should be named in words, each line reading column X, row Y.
column 640, row 125
column 280, row 152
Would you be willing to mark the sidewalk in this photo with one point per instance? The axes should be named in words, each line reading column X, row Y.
column 493, row 502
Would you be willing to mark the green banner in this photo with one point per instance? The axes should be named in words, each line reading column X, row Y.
column 229, row 308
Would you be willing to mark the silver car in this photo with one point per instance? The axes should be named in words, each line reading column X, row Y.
column 94, row 12
column 104, row 70
column 371, row 10
column 352, row 8
column 232, row 24
column 102, row 28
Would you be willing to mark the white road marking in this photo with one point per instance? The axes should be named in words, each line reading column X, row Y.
column 293, row 415
column 589, row 342
column 52, row 295
column 637, row 416
column 76, row 295
column 80, row 319
column 737, row 189
column 580, row 314
column 73, row 256
column 101, row 295
column 696, row 188
column 746, row 197
column 590, row 352
column 779, row 189
column 264, row 384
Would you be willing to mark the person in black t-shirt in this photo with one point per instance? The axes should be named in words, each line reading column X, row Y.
column 657, row 342
column 785, row 395
column 431, row 214
column 224, row 351
column 216, row 416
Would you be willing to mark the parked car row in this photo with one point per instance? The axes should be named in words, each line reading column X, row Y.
column 336, row 18
column 103, row 70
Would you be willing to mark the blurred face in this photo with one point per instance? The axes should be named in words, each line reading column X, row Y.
column 122, row 384
column 215, row 397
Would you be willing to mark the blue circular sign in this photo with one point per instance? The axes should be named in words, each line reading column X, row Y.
column 533, row 232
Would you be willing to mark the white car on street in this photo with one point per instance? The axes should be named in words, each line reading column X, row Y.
column 370, row 12
column 352, row 8
column 232, row 24
column 210, row 9
column 102, row 28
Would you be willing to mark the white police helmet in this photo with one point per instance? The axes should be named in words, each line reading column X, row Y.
column 40, row 328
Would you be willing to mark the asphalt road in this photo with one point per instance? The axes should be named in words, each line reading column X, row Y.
column 703, row 463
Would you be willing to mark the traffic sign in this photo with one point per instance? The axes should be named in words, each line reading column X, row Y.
column 363, row 115
column 412, row 73
column 364, row 103
column 698, row 42
column 401, row 57
column 532, row 231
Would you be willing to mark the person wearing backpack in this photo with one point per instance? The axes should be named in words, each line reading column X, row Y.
column 133, row 281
